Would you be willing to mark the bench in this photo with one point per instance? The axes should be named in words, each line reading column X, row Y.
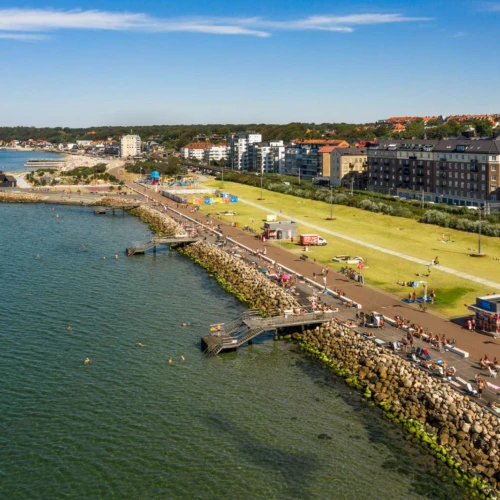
column 456, row 350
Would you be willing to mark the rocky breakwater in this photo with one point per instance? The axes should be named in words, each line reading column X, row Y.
column 456, row 430
column 7, row 197
column 240, row 278
column 160, row 223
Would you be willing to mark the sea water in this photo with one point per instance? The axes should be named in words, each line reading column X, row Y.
column 131, row 425
column 14, row 161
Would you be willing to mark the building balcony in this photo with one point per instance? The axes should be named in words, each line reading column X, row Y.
column 420, row 164
column 420, row 174
column 474, row 168
column 387, row 171
column 413, row 157
column 374, row 162
column 406, row 171
column 406, row 164
column 443, row 176
column 474, row 161
column 386, row 163
column 442, row 167
column 443, row 185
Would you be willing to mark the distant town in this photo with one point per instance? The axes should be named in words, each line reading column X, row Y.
column 454, row 159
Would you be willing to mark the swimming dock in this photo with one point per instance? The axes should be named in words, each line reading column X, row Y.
column 112, row 208
column 142, row 248
column 249, row 325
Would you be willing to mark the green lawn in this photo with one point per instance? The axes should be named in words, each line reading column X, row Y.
column 396, row 233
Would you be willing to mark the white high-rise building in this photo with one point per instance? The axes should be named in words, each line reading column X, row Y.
column 267, row 157
column 238, row 149
column 130, row 146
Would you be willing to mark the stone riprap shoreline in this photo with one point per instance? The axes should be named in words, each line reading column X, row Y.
column 159, row 222
column 236, row 276
column 457, row 430
column 7, row 197
column 253, row 286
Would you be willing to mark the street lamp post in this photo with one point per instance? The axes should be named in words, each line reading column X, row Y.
column 261, row 184
column 331, row 204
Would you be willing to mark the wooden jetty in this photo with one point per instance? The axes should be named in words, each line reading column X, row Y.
column 142, row 248
column 249, row 325
column 104, row 210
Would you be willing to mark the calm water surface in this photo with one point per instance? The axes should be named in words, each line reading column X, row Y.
column 13, row 161
column 129, row 425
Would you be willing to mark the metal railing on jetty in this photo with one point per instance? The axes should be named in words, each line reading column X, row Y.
column 246, row 327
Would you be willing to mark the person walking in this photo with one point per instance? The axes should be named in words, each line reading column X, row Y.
column 314, row 276
column 324, row 281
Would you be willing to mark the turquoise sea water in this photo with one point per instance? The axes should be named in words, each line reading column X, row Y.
column 13, row 161
column 129, row 425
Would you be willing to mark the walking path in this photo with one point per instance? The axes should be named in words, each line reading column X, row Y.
column 372, row 299
column 449, row 270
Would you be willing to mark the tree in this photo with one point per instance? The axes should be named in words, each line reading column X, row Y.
column 483, row 128
column 414, row 129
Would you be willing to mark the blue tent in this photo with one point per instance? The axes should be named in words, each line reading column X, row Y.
column 155, row 174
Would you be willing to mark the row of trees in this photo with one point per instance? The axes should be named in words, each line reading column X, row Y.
column 177, row 136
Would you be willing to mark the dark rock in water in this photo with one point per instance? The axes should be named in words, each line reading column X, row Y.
column 324, row 436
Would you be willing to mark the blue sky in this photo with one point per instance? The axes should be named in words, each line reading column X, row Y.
column 165, row 62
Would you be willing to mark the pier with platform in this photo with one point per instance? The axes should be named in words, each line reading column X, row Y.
column 104, row 210
column 250, row 324
column 142, row 248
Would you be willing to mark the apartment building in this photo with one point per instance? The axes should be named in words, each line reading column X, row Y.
column 303, row 157
column 204, row 151
column 456, row 171
column 266, row 156
column 345, row 163
column 130, row 146
column 238, row 149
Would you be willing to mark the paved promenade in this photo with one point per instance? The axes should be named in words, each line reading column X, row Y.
column 371, row 299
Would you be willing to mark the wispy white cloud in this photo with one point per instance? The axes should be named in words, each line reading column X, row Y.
column 459, row 34
column 22, row 36
column 34, row 21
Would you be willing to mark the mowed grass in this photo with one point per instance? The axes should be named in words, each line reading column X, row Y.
column 395, row 233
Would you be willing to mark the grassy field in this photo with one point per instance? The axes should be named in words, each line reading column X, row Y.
column 395, row 233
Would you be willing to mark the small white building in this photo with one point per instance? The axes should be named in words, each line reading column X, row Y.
column 130, row 146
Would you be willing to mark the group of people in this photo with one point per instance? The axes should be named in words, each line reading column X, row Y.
column 471, row 324
column 486, row 363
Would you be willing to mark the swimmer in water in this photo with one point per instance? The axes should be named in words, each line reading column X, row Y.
column 183, row 358
column 139, row 344
column 57, row 216
column 37, row 255
column 184, row 324
column 69, row 328
column 87, row 361
column 104, row 258
column 170, row 361
column 116, row 256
